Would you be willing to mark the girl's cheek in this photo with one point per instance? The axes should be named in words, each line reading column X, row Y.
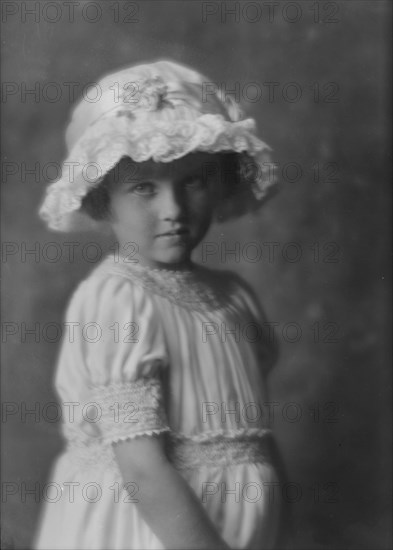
column 202, row 216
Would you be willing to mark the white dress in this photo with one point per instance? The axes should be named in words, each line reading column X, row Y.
column 147, row 352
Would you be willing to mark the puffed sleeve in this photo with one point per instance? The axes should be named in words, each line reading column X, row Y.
column 118, row 358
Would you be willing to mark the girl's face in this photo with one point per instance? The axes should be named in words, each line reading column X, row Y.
column 162, row 210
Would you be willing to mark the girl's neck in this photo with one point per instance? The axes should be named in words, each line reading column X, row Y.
column 148, row 265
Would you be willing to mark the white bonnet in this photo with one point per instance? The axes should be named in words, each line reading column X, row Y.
column 160, row 111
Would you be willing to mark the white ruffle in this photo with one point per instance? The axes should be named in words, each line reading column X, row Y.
column 109, row 139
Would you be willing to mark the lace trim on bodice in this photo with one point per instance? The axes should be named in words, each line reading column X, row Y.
column 190, row 289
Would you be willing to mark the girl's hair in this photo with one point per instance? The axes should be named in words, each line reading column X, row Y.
column 235, row 198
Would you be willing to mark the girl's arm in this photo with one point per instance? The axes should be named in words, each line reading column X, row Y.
column 165, row 500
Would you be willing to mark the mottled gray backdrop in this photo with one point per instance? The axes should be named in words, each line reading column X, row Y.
column 325, row 65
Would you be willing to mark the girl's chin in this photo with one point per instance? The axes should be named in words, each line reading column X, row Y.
column 174, row 257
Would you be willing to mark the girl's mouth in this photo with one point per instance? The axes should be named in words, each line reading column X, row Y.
column 181, row 231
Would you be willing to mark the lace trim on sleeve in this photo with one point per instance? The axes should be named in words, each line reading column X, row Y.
column 129, row 410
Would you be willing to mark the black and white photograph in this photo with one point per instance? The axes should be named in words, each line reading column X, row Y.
column 196, row 275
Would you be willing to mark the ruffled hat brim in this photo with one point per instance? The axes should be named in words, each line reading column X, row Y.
column 164, row 125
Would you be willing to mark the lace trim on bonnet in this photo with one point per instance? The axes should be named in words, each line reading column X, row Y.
column 160, row 111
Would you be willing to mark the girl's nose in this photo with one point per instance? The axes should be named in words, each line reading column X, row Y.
column 171, row 205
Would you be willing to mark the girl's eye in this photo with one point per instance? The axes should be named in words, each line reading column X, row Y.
column 144, row 188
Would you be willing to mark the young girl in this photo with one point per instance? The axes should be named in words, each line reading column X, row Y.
column 166, row 445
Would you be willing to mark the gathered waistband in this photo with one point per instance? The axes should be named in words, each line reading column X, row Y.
column 220, row 452
column 186, row 453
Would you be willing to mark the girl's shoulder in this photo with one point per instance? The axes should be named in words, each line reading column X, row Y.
column 237, row 288
column 234, row 288
column 228, row 281
column 105, row 287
